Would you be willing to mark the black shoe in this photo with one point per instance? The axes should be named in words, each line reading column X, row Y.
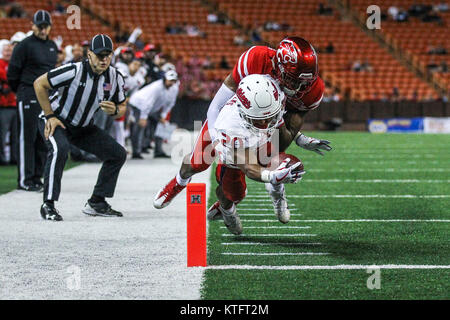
column 48, row 212
column 39, row 185
column 137, row 156
column 161, row 155
column 102, row 209
column 35, row 188
column 146, row 150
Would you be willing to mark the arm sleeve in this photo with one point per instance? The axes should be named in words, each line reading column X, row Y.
column 16, row 65
column 220, row 99
column 61, row 76
column 119, row 95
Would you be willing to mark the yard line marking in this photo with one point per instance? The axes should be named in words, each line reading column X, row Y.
column 262, row 209
column 357, row 220
column 308, row 162
column 262, row 214
column 381, row 170
column 252, row 205
column 375, row 181
column 335, row 267
column 275, row 254
column 436, row 196
column 276, row 227
column 271, row 235
column 271, row 243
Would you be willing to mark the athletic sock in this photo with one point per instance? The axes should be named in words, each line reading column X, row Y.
column 230, row 211
column 279, row 188
column 181, row 181
column 96, row 199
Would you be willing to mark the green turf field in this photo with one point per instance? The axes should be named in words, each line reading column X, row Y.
column 374, row 200
column 8, row 176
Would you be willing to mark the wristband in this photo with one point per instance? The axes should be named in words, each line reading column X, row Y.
column 265, row 176
column 49, row 116
column 298, row 135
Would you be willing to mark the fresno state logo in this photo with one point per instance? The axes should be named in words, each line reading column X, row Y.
column 240, row 94
column 287, row 53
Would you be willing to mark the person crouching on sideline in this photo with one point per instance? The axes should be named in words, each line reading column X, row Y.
column 67, row 118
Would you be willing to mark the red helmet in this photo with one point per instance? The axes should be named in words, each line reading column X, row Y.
column 296, row 65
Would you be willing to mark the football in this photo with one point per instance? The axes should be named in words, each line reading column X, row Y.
column 277, row 159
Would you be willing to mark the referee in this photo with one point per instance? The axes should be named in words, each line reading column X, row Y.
column 32, row 57
column 82, row 88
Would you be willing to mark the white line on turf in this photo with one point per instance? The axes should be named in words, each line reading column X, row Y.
column 262, row 214
column 262, row 209
column 276, row 227
column 335, row 267
column 275, row 254
column 356, row 220
column 407, row 196
column 271, row 235
column 381, row 170
column 374, row 181
column 271, row 243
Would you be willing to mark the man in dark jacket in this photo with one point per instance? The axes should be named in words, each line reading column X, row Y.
column 32, row 57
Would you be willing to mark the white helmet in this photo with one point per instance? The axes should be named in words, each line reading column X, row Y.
column 260, row 98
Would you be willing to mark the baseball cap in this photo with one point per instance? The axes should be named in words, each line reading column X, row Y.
column 41, row 17
column 171, row 75
column 101, row 42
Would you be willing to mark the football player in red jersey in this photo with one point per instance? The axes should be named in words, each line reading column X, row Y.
column 294, row 64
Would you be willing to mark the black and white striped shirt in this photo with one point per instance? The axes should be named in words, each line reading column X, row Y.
column 80, row 90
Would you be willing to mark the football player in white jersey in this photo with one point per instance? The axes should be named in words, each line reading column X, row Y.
column 246, row 123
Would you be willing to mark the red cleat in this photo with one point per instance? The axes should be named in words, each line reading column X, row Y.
column 166, row 194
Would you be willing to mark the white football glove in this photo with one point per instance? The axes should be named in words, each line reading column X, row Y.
column 312, row 144
column 283, row 174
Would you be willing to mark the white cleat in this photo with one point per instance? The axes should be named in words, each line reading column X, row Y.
column 214, row 213
column 232, row 222
column 280, row 205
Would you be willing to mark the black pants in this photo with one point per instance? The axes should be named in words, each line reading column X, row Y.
column 8, row 122
column 32, row 150
column 91, row 139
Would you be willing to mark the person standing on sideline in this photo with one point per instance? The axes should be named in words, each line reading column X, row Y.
column 154, row 100
column 82, row 89
column 8, row 111
column 32, row 57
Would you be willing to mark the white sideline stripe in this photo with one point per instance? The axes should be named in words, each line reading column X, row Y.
column 335, row 267
column 276, row 227
column 357, row 220
column 271, row 235
column 275, row 254
column 381, row 170
column 271, row 243
column 436, row 196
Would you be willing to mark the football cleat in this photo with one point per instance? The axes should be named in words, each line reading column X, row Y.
column 102, row 209
column 280, row 205
column 48, row 212
column 166, row 194
column 232, row 221
column 214, row 213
